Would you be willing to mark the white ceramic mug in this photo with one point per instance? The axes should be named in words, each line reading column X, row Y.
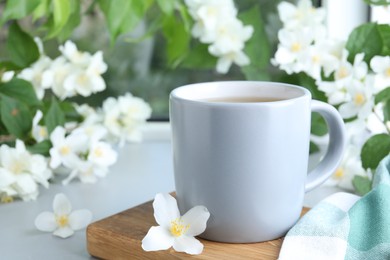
column 247, row 161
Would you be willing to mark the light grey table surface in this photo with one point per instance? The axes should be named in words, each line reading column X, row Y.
column 142, row 171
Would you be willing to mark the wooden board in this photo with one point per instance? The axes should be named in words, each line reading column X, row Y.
column 120, row 236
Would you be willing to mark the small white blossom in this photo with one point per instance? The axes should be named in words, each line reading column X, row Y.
column 349, row 167
column 33, row 74
column 62, row 221
column 75, row 72
column 89, row 114
column 174, row 230
column 82, row 152
column 361, row 100
column 87, row 172
column 21, row 172
column 301, row 15
column 334, row 90
column 70, row 51
column 291, row 50
column 381, row 66
column 83, row 82
column 66, row 149
column 55, row 76
column 216, row 24
column 101, row 154
column 39, row 132
column 7, row 76
column 123, row 116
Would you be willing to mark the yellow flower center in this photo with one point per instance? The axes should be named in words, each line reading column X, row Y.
column 43, row 132
column 17, row 167
column 6, row 199
column 65, row 150
column 177, row 228
column 98, row 152
column 359, row 99
column 82, row 79
column 339, row 174
column 315, row 59
column 295, row 47
column 342, row 72
column 62, row 220
column 387, row 73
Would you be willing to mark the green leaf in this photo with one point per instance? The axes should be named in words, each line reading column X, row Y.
column 374, row 150
column 60, row 15
column 198, row 57
column 70, row 112
column 362, row 185
column 377, row 2
column 185, row 16
column 318, row 125
column 386, row 111
column 41, row 10
column 7, row 65
column 123, row 15
column 313, row 148
column 153, row 27
column 54, row 116
column 42, row 148
column 177, row 40
column 16, row 9
column 384, row 31
column 73, row 21
column 167, row 6
column 367, row 39
column 382, row 96
column 16, row 117
column 21, row 47
column 21, row 90
column 257, row 47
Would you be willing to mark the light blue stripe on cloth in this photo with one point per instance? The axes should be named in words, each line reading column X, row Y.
column 330, row 221
column 344, row 226
column 379, row 252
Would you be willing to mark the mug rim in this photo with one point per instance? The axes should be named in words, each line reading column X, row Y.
column 175, row 93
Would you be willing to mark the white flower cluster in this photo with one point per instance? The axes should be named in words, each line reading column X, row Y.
column 122, row 117
column 21, row 172
column 351, row 87
column 216, row 23
column 72, row 73
column 83, row 149
column 83, row 152
column 86, row 151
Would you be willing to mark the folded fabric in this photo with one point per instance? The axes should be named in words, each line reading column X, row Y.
column 345, row 226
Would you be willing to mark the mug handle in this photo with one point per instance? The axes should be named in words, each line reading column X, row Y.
column 337, row 139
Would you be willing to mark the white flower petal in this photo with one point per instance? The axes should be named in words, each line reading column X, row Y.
column 25, row 184
column 189, row 245
column 61, row 205
column 223, row 64
column 157, row 238
column 73, row 174
column 165, row 209
column 58, row 135
column 6, row 178
column 79, row 219
column 348, row 110
column 46, row 222
column 196, row 219
column 63, row 232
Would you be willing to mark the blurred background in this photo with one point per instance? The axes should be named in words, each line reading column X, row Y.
column 137, row 60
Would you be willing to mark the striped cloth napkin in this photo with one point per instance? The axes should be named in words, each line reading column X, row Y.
column 345, row 226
